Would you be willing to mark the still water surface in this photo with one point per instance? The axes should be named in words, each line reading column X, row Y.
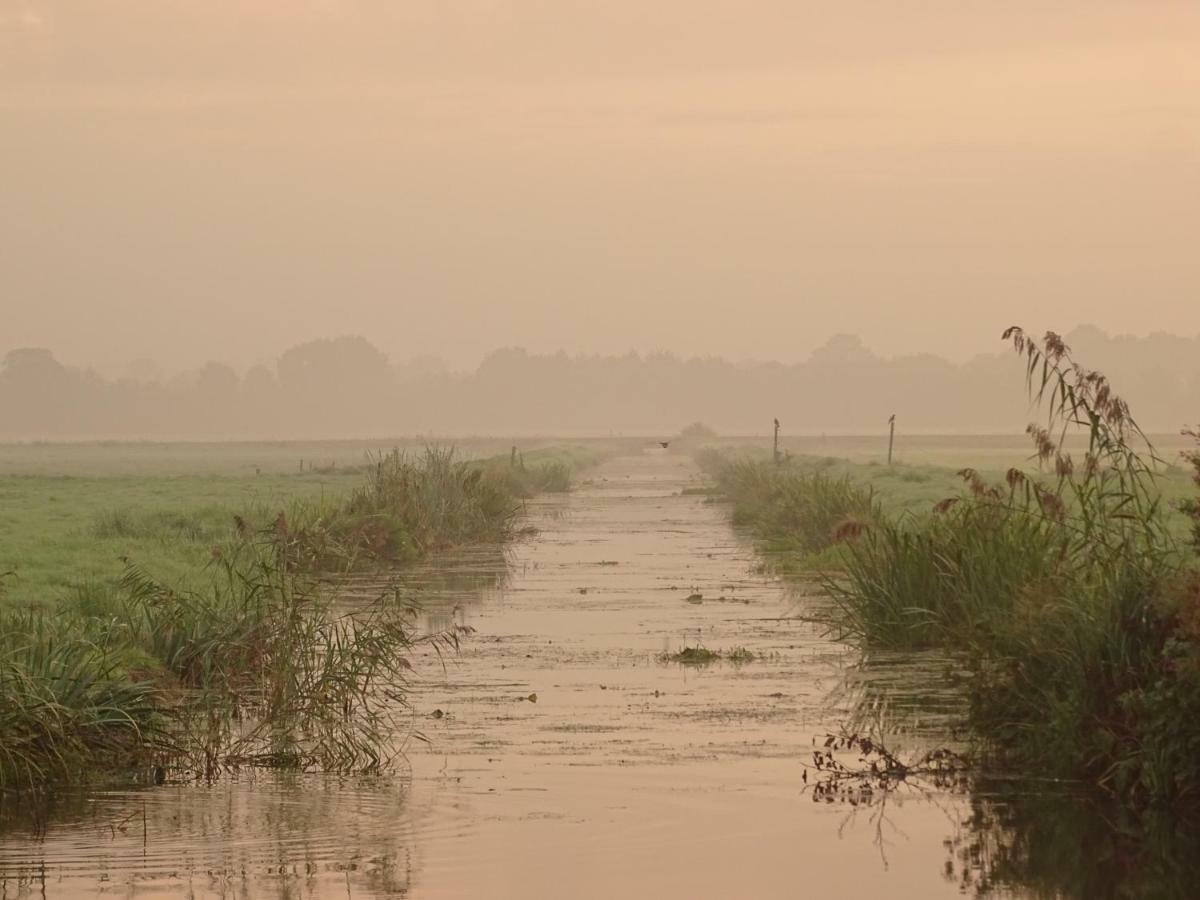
column 561, row 757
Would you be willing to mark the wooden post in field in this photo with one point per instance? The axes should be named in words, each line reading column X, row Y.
column 776, row 448
column 891, row 436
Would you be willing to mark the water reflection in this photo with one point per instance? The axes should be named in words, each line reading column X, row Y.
column 444, row 590
column 1005, row 836
column 1040, row 841
column 260, row 835
column 1013, row 839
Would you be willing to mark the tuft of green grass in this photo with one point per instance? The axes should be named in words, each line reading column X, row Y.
column 692, row 656
column 411, row 505
column 68, row 703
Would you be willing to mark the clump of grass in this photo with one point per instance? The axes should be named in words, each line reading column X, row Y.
column 435, row 500
column 259, row 668
column 412, row 505
column 1074, row 608
column 67, row 703
column 702, row 656
column 273, row 672
column 692, row 656
column 907, row 580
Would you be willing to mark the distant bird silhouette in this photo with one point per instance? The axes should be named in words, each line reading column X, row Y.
column 664, row 444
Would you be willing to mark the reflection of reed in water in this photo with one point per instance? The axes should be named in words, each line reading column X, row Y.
column 1026, row 839
column 465, row 575
column 443, row 589
column 914, row 694
column 442, row 620
column 271, row 835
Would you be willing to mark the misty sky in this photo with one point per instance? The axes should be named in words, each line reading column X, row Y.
column 194, row 179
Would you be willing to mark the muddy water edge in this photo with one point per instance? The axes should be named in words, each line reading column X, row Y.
column 560, row 755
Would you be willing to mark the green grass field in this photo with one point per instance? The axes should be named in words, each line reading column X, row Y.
column 928, row 471
column 69, row 513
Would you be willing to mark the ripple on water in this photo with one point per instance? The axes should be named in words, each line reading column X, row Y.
column 252, row 830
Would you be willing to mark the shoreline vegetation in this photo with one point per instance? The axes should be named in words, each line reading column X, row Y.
column 246, row 659
column 1068, row 590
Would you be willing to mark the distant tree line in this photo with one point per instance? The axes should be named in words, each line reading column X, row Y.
column 346, row 387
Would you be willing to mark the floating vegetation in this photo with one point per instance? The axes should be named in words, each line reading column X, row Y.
column 702, row 656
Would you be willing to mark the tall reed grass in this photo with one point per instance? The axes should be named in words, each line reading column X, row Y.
column 411, row 505
column 1064, row 592
column 260, row 668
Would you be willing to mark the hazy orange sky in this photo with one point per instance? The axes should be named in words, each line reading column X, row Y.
column 194, row 179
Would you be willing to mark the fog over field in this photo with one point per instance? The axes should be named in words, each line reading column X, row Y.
column 200, row 180
column 346, row 387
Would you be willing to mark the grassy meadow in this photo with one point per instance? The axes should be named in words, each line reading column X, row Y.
column 910, row 487
column 71, row 513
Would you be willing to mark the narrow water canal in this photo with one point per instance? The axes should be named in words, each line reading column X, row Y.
column 563, row 758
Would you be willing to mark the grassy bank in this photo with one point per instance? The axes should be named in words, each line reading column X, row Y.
column 64, row 533
column 798, row 511
column 1068, row 588
column 190, row 624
